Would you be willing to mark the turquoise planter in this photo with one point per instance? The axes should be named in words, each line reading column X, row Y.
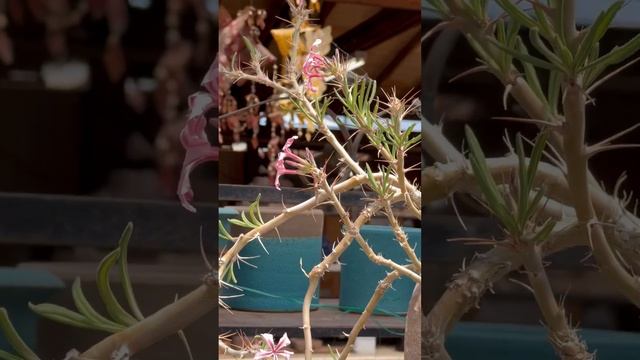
column 359, row 277
column 18, row 287
column 480, row 341
column 275, row 282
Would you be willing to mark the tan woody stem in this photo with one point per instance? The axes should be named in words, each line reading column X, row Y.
column 469, row 285
column 565, row 340
column 318, row 271
column 382, row 287
column 228, row 257
column 165, row 322
column 401, row 236
column 577, row 178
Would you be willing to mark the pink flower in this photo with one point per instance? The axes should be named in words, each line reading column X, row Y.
column 274, row 351
column 313, row 65
column 283, row 158
column 193, row 135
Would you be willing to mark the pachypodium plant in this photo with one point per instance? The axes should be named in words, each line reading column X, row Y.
column 387, row 186
column 545, row 199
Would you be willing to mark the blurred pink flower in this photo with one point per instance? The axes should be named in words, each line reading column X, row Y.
column 193, row 135
column 274, row 351
column 313, row 65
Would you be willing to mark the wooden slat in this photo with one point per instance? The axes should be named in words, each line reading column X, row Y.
column 379, row 28
column 61, row 220
column 392, row 4
column 326, row 322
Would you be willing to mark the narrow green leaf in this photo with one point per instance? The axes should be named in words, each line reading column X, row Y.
column 543, row 235
column 127, row 288
column 596, row 31
column 526, row 57
column 554, row 87
column 516, row 13
column 538, row 43
column 13, row 338
column 62, row 315
column 223, row 233
column 536, row 155
column 533, row 204
column 545, row 25
column 523, row 188
column 85, row 308
column 6, row 356
column 530, row 72
column 616, row 55
column 253, row 52
column 241, row 224
column 115, row 310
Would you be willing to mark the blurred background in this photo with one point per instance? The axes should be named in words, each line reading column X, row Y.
column 93, row 96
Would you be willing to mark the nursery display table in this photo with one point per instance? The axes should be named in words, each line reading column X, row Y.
column 327, row 322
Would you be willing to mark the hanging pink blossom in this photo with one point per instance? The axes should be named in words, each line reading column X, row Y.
column 193, row 135
column 313, row 66
column 284, row 158
column 274, row 351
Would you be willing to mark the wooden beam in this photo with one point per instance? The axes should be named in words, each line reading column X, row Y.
column 400, row 55
column 391, row 4
column 379, row 28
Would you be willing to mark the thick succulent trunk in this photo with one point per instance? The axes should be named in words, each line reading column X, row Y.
column 412, row 332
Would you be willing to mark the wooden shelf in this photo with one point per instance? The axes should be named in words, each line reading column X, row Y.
column 326, row 322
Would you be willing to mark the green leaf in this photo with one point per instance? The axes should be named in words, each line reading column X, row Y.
column 114, row 308
column 127, row 288
column 543, row 235
column 255, row 55
column 516, row 13
column 531, row 74
column 487, row 185
column 524, row 187
column 223, row 233
column 13, row 338
column 545, row 25
column 526, row 57
column 241, row 223
column 6, row 356
column 617, row 55
column 596, row 31
column 533, row 204
column 62, row 315
column 554, row 87
column 536, row 41
column 536, row 155
column 373, row 184
column 85, row 308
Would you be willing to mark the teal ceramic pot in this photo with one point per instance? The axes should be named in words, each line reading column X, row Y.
column 276, row 283
column 224, row 214
column 481, row 341
column 359, row 277
column 18, row 287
